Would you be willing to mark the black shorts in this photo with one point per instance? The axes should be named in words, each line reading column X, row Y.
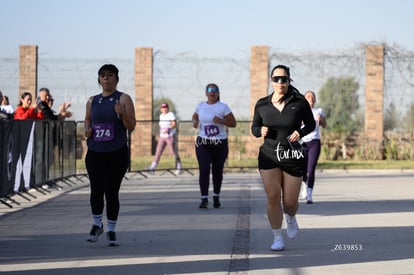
column 294, row 167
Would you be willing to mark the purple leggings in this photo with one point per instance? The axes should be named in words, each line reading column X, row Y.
column 312, row 150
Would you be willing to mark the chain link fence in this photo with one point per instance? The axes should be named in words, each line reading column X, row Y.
column 183, row 77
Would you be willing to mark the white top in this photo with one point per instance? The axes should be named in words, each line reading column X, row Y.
column 206, row 112
column 315, row 133
column 166, row 123
column 8, row 109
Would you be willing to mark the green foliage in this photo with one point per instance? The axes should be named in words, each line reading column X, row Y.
column 338, row 97
column 391, row 118
column 409, row 118
column 240, row 132
column 398, row 147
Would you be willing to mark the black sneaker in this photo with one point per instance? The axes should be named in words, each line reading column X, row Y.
column 216, row 202
column 111, row 235
column 204, row 203
column 96, row 231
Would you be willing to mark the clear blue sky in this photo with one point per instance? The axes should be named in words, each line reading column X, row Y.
column 213, row 28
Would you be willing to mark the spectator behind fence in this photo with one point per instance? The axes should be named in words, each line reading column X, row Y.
column 24, row 109
column 6, row 105
column 168, row 124
column 109, row 115
column 4, row 115
column 211, row 118
column 278, row 118
column 44, row 102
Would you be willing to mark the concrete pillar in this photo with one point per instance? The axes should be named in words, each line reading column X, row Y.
column 28, row 57
column 374, row 93
column 142, row 135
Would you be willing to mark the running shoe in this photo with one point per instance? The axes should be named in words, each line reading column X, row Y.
column 303, row 190
column 111, row 235
column 96, row 231
column 292, row 229
column 309, row 196
column 216, row 202
column 204, row 204
column 278, row 244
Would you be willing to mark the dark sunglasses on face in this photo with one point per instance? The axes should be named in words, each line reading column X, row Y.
column 284, row 79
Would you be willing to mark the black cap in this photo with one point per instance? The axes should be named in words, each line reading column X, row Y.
column 108, row 67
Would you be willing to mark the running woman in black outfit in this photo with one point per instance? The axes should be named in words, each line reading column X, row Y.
column 278, row 118
column 109, row 115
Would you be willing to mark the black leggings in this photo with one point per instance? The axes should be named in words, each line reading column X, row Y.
column 212, row 153
column 106, row 171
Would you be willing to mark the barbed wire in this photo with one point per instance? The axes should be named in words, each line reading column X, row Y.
column 183, row 77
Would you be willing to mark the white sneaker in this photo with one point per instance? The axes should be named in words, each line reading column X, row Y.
column 309, row 196
column 278, row 244
column 303, row 188
column 292, row 228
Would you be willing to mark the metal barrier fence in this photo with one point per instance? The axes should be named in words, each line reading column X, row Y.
column 38, row 153
column 35, row 154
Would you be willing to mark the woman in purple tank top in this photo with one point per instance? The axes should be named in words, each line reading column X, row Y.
column 109, row 116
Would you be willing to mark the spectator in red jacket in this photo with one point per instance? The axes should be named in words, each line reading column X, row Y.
column 25, row 110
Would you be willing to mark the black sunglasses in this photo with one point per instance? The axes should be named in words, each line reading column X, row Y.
column 277, row 78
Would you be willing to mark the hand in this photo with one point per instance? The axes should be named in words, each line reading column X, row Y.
column 295, row 136
column 264, row 131
column 119, row 109
column 195, row 123
column 216, row 119
column 63, row 107
column 88, row 132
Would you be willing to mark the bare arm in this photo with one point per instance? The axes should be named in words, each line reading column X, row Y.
column 195, row 120
column 322, row 121
column 88, row 122
column 228, row 120
column 125, row 108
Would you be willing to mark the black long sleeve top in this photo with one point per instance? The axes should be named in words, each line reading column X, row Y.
column 283, row 123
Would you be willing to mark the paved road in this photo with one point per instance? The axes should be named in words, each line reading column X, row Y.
column 361, row 223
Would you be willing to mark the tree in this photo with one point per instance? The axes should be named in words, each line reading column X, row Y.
column 391, row 118
column 338, row 97
column 409, row 118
